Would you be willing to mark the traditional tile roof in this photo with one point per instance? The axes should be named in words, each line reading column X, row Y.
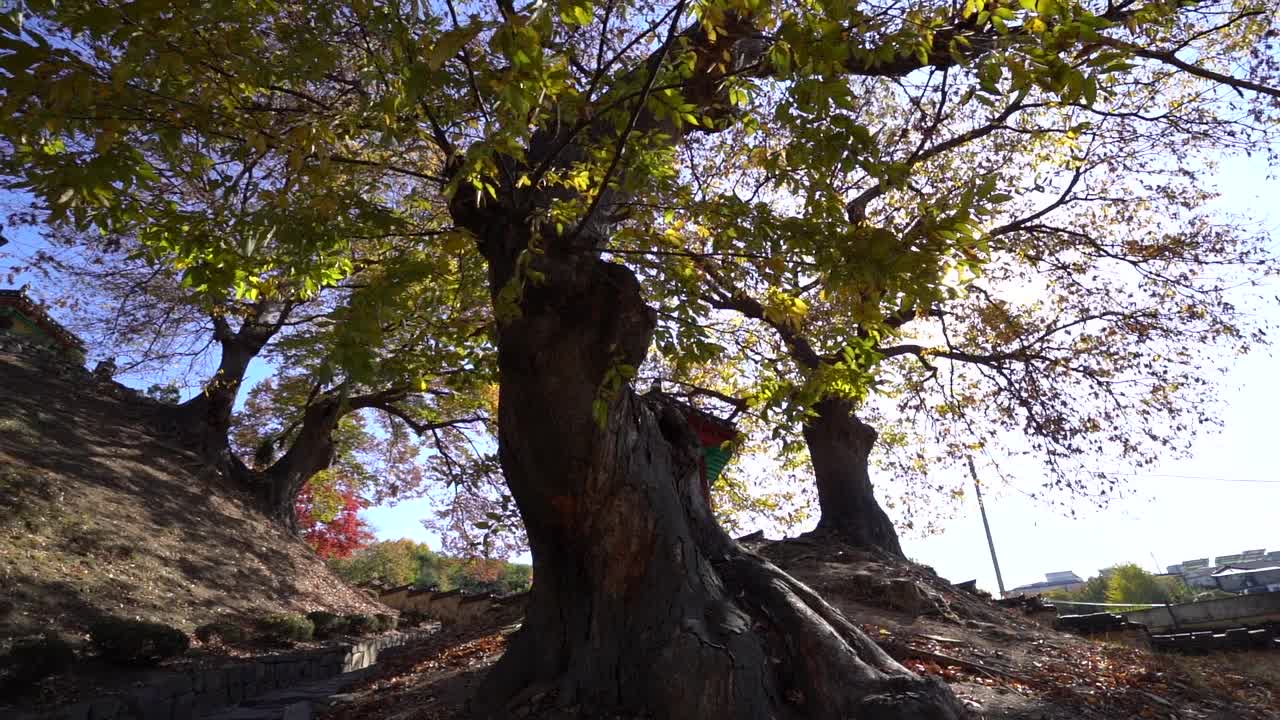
column 18, row 300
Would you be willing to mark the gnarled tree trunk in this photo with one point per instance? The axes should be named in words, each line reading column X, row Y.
column 642, row 604
column 206, row 418
column 312, row 450
column 840, row 447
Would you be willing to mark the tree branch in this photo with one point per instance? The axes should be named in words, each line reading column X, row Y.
column 422, row 428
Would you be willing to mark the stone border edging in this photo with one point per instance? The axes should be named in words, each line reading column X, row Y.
column 189, row 694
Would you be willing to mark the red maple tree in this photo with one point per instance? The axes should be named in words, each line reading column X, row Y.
column 339, row 536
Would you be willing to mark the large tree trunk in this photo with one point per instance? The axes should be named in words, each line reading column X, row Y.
column 207, row 416
column 312, row 450
column 205, row 420
column 642, row 604
column 840, row 447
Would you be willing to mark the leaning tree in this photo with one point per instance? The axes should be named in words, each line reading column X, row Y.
column 550, row 126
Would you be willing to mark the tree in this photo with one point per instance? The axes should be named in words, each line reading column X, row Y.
column 373, row 441
column 361, row 326
column 1129, row 583
column 127, row 302
column 329, row 518
column 1094, row 591
column 479, row 577
column 557, row 134
column 404, row 562
column 391, row 562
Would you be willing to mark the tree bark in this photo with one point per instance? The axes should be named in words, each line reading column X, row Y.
column 839, row 448
column 643, row 605
column 207, row 416
column 311, row 451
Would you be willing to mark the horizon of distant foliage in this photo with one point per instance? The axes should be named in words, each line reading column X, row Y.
column 405, row 562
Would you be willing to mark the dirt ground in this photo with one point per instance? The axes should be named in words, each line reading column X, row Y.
column 99, row 516
column 1002, row 665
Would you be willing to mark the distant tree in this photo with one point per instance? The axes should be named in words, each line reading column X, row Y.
column 405, row 562
column 1094, row 591
column 1177, row 589
column 165, row 393
column 1129, row 583
column 433, row 570
column 516, row 577
column 393, row 562
column 479, row 576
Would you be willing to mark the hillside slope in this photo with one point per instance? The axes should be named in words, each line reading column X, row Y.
column 100, row 516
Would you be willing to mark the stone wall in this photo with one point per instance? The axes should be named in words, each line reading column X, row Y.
column 1224, row 613
column 453, row 607
column 193, row 693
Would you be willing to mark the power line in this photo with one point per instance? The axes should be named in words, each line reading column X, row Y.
column 1187, row 477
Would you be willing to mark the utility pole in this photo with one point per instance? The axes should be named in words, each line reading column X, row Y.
column 977, row 487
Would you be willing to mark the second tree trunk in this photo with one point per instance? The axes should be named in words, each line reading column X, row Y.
column 840, row 449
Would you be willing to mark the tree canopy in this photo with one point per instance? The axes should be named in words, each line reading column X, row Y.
column 933, row 212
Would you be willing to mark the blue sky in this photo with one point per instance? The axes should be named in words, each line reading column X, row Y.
column 1221, row 500
column 1182, row 509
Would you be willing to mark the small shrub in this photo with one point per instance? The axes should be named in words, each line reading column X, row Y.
column 134, row 642
column 227, row 632
column 32, row 660
column 327, row 624
column 386, row 622
column 287, row 627
column 361, row 624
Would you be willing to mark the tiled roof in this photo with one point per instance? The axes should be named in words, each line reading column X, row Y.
column 19, row 300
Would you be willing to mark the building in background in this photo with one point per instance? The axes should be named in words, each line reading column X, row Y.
column 1248, row 581
column 1054, row 581
column 1251, row 571
column 1228, row 572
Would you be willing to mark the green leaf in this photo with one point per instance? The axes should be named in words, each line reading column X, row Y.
column 451, row 43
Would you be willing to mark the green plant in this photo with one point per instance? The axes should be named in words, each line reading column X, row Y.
column 361, row 624
column 287, row 627
column 34, row 659
column 1129, row 583
column 227, row 632
column 327, row 624
column 386, row 622
column 136, row 642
